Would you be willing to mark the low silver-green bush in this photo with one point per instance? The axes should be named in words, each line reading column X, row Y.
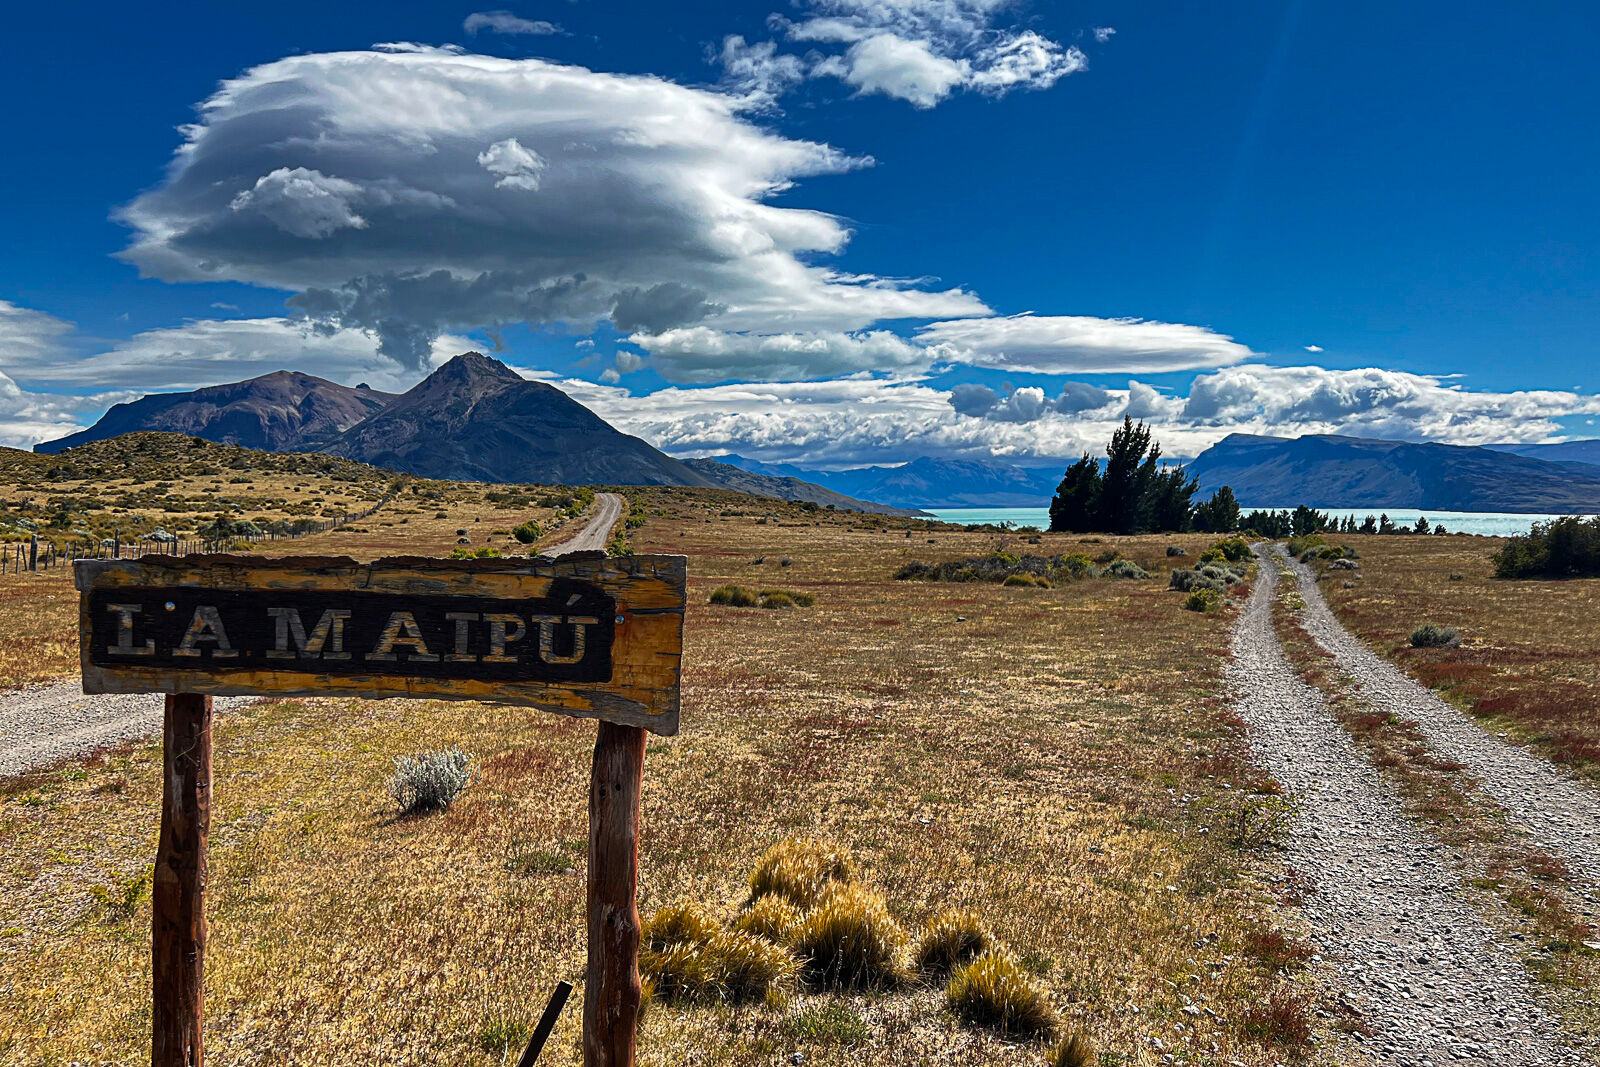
column 430, row 781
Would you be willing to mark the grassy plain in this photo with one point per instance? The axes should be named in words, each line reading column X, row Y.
column 1057, row 760
column 1529, row 662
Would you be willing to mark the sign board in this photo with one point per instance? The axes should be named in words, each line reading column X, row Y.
column 583, row 634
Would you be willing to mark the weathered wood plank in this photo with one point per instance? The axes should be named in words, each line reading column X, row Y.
column 584, row 634
column 177, row 897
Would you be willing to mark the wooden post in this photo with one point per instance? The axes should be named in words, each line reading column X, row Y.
column 611, row 988
column 33, row 552
column 178, row 929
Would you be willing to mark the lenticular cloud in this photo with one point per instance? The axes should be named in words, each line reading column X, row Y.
column 422, row 191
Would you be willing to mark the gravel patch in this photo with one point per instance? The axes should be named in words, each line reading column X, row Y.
column 1558, row 814
column 1399, row 933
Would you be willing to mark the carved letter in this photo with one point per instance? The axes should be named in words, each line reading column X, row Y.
column 402, row 629
column 206, row 626
column 499, row 638
column 462, row 619
column 326, row 641
column 125, row 645
column 579, row 624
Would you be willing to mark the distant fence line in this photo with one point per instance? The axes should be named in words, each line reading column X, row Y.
column 35, row 555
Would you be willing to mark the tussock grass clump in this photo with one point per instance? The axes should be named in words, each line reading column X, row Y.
column 430, row 781
column 848, row 940
column 730, row 966
column 772, row 917
column 678, row 924
column 952, row 939
column 1203, row 600
column 798, row 870
column 735, row 596
column 995, row 991
column 830, row 1023
column 795, row 598
column 1074, row 1050
column 1176, row 550
column 1432, row 635
column 739, row 596
column 686, row 956
column 1027, row 581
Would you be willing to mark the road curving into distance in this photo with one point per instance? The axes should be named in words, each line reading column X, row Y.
column 42, row 725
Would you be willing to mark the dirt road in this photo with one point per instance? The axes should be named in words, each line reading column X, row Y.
column 1401, row 936
column 46, row 724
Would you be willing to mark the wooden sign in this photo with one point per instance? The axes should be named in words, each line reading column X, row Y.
column 583, row 634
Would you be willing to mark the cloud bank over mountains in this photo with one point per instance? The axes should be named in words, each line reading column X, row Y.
column 407, row 195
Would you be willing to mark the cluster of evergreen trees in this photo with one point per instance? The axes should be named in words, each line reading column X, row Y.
column 1135, row 492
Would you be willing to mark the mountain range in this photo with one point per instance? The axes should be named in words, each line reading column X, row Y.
column 473, row 419
column 927, row 482
column 1331, row 471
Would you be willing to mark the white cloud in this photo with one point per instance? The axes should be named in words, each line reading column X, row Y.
column 26, row 418
column 1313, row 348
column 610, row 376
column 209, row 351
column 758, row 71
column 1077, row 344
column 1102, row 34
column 699, row 354
column 302, row 202
column 922, row 51
column 506, row 22
column 859, row 420
column 30, row 337
column 517, row 167
column 628, row 362
column 354, row 180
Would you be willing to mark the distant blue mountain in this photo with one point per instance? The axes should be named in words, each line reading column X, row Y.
column 1586, row 453
column 927, row 482
column 1329, row 471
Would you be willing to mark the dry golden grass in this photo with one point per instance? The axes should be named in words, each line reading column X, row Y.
column 1529, row 662
column 1054, row 760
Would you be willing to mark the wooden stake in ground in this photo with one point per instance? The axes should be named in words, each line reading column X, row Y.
column 178, row 930
column 611, row 989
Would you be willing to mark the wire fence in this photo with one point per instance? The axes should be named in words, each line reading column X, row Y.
column 33, row 554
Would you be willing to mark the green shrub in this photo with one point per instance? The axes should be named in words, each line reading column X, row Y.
column 735, row 596
column 1125, row 568
column 1074, row 1050
column 848, row 940
column 952, row 939
column 430, row 781
column 1561, row 548
column 1177, row 550
column 798, row 869
column 1432, row 635
column 1233, row 549
column 1203, row 600
column 995, row 991
column 1299, row 546
column 772, row 917
column 528, row 532
column 1184, row 580
column 1212, row 555
column 829, row 1023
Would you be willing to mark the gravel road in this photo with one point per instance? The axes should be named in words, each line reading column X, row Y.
column 1559, row 814
column 1396, row 927
column 46, row 724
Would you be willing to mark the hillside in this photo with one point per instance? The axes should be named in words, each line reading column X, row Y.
column 1586, row 453
column 926, row 482
column 1353, row 472
column 785, row 487
column 285, row 411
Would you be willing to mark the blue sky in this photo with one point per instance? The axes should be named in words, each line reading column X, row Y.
column 1351, row 217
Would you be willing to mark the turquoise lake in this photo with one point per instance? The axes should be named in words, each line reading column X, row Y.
column 1494, row 524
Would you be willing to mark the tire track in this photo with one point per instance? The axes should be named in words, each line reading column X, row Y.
column 1557, row 813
